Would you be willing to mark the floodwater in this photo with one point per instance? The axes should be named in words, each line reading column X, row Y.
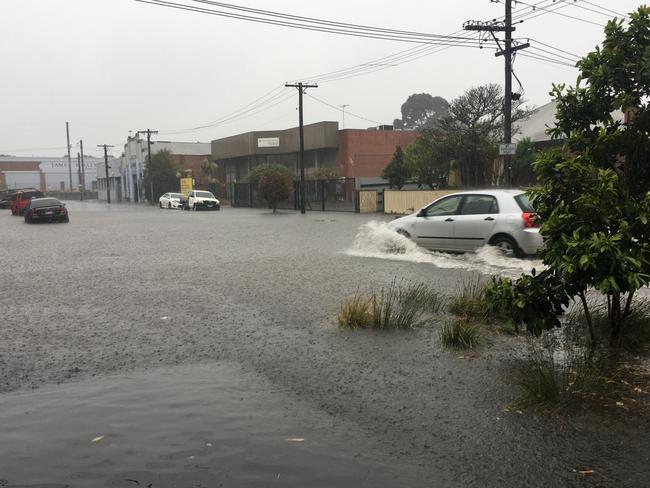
column 157, row 332
column 208, row 425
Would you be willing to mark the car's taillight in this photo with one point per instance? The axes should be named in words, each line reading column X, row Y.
column 530, row 220
column 63, row 210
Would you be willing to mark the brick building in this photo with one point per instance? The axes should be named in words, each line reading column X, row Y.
column 355, row 153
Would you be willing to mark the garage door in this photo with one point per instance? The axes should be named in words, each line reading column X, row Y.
column 23, row 179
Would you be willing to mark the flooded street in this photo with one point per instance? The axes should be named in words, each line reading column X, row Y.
column 162, row 331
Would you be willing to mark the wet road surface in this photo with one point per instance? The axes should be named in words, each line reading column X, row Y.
column 127, row 289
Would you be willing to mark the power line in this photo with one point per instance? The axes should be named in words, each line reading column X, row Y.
column 338, row 109
column 554, row 11
column 604, row 8
column 371, row 33
column 554, row 48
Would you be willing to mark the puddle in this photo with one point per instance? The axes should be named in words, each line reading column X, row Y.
column 376, row 240
column 207, row 425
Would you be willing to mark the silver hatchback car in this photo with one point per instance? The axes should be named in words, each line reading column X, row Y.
column 468, row 220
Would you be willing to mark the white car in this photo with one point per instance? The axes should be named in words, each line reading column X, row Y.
column 202, row 200
column 466, row 221
column 171, row 200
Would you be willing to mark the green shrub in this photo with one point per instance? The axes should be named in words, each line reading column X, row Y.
column 460, row 334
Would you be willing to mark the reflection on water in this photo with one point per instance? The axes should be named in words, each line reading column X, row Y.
column 209, row 425
column 377, row 240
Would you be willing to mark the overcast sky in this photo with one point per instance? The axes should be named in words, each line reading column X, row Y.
column 114, row 66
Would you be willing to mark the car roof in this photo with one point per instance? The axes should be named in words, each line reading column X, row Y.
column 492, row 192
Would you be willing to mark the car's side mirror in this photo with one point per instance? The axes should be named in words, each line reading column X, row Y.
column 422, row 213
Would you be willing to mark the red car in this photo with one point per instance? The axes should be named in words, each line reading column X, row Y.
column 20, row 201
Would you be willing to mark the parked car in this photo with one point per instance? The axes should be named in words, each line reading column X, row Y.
column 46, row 210
column 466, row 221
column 171, row 200
column 21, row 199
column 202, row 200
column 7, row 196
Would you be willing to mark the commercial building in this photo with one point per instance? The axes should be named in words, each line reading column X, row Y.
column 47, row 173
column 355, row 153
column 188, row 155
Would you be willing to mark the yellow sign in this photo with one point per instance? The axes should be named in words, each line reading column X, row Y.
column 186, row 185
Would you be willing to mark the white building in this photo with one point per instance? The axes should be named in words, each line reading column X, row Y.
column 52, row 174
column 135, row 157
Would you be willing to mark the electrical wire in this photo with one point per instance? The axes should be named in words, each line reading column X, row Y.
column 401, row 36
column 338, row 109
column 554, row 11
column 605, row 9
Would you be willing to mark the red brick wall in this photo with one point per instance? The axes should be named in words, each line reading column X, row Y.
column 194, row 163
column 367, row 152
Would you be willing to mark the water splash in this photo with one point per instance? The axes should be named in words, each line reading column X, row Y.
column 376, row 240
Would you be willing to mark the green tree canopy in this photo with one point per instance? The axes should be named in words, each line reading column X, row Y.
column 427, row 160
column 397, row 172
column 160, row 175
column 274, row 183
column 593, row 198
column 473, row 130
column 421, row 110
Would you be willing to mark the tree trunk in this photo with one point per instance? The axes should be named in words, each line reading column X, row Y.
column 616, row 322
column 590, row 324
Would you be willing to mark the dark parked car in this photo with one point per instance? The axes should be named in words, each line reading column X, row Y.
column 46, row 210
column 7, row 196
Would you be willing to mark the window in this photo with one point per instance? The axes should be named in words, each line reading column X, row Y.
column 479, row 204
column 448, row 206
column 524, row 203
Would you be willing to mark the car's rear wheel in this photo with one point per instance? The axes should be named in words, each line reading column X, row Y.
column 160, row 204
column 506, row 245
column 169, row 205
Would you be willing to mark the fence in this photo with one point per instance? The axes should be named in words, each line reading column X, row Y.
column 408, row 201
column 322, row 195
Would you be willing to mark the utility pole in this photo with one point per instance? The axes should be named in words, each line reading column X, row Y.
column 343, row 109
column 507, row 51
column 81, row 195
column 83, row 169
column 108, row 180
column 301, row 88
column 67, row 135
column 149, row 132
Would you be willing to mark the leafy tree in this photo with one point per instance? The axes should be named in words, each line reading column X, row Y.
column 160, row 175
column 427, row 160
column 593, row 199
column 522, row 163
column 274, row 183
column 473, row 130
column 397, row 172
column 421, row 110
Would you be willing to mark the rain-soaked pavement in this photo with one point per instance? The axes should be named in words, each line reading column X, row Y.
column 147, row 347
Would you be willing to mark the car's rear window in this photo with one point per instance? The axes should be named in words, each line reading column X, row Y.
column 44, row 202
column 524, row 203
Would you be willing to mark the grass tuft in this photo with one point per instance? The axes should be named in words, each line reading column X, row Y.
column 460, row 334
column 396, row 306
column 468, row 302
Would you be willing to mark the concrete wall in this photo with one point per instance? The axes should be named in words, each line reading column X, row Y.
column 410, row 201
column 317, row 136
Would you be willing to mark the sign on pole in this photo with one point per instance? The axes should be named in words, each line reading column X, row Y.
column 186, row 185
column 508, row 149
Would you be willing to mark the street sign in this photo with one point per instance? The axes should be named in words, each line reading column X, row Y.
column 186, row 185
column 507, row 149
